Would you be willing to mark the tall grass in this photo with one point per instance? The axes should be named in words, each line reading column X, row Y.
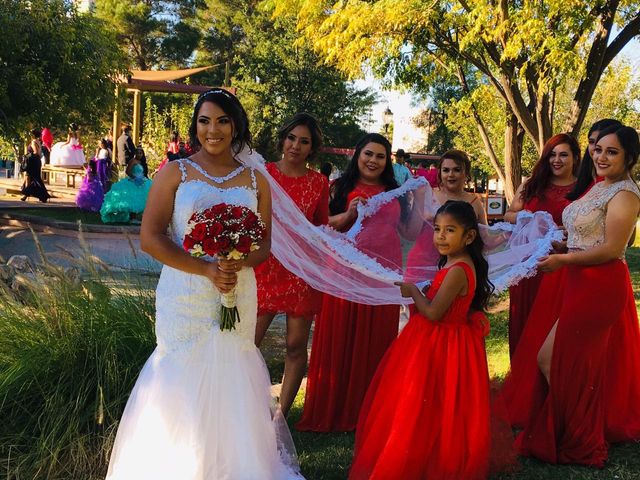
column 71, row 347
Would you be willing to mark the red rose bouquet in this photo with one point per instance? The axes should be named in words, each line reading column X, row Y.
column 224, row 231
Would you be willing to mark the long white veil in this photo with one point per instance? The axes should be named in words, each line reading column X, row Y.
column 358, row 266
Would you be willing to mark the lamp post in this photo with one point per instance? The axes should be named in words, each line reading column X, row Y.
column 387, row 118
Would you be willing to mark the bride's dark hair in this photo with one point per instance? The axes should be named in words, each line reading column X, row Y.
column 230, row 105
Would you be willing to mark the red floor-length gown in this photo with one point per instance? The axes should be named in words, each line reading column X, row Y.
column 594, row 394
column 350, row 339
column 522, row 295
column 280, row 291
column 426, row 413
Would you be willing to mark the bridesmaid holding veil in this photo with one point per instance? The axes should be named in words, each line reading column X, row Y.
column 587, row 346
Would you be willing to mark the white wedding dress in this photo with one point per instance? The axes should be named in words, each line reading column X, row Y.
column 201, row 408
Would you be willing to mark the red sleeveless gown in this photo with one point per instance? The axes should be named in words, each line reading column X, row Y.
column 426, row 413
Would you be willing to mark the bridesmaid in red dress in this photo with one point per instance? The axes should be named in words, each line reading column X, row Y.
column 280, row 291
column 426, row 413
column 552, row 179
column 350, row 339
column 588, row 391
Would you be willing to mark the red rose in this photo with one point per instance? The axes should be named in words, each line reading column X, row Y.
column 216, row 229
column 224, row 245
column 218, row 209
column 237, row 212
column 188, row 243
column 244, row 245
column 210, row 246
column 199, row 232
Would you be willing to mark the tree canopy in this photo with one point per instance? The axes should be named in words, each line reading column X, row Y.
column 57, row 66
column 524, row 51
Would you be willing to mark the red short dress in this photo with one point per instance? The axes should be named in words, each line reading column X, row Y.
column 350, row 339
column 522, row 295
column 279, row 290
column 426, row 413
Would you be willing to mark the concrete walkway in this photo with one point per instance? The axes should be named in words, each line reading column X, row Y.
column 117, row 247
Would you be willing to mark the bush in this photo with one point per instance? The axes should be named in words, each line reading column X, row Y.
column 71, row 348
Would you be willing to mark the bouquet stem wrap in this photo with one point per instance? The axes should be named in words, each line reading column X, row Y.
column 228, row 311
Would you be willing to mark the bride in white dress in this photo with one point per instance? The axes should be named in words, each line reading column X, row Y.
column 201, row 408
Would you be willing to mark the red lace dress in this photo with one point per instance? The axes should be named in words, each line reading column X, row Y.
column 522, row 295
column 426, row 413
column 350, row 339
column 280, row 291
column 594, row 394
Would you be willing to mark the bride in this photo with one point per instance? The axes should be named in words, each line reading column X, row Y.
column 201, row 408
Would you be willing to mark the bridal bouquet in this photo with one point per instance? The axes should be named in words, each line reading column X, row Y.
column 224, row 231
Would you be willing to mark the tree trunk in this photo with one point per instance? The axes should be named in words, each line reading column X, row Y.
column 513, row 139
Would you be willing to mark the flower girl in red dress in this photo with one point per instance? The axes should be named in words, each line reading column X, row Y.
column 426, row 413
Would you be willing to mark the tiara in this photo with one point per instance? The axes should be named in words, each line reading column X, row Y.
column 215, row 91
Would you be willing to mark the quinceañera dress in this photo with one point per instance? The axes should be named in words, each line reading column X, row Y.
column 201, row 408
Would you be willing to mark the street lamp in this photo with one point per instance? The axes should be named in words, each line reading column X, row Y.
column 387, row 118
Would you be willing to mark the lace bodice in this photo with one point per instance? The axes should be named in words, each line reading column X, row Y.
column 585, row 218
column 188, row 305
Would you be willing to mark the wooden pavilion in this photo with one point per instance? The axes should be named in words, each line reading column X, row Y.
column 152, row 81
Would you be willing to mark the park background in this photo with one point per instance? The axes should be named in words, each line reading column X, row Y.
column 495, row 79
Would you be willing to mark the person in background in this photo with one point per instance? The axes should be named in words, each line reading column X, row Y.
column 400, row 170
column 325, row 169
column 126, row 147
column 47, row 143
column 33, row 185
column 108, row 139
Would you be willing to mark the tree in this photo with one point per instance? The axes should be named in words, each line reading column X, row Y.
column 523, row 50
column 50, row 72
column 153, row 33
column 277, row 76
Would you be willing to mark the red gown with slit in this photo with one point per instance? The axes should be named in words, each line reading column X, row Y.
column 350, row 339
column 594, row 395
column 522, row 295
column 279, row 290
column 426, row 413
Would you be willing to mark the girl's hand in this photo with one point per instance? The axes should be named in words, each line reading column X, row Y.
column 551, row 263
column 407, row 290
column 224, row 281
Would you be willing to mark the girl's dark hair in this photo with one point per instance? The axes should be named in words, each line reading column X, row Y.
column 586, row 170
column 628, row 138
column 458, row 156
column 541, row 175
column 342, row 186
column 308, row 121
column 36, row 133
column 174, row 136
column 73, row 127
column 465, row 215
column 232, row 107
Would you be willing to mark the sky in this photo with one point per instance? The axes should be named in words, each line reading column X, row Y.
column 401, row 104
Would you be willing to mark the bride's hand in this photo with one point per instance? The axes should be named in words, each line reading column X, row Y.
column 223, row 277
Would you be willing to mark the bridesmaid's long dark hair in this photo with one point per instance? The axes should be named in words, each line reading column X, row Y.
column 465, row 215
column 347, row 182
column 586, row 171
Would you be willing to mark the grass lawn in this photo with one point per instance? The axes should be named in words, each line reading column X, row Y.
column 328, row 456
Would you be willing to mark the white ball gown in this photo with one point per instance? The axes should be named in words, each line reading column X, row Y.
column 67, row 154
column 201, row 408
